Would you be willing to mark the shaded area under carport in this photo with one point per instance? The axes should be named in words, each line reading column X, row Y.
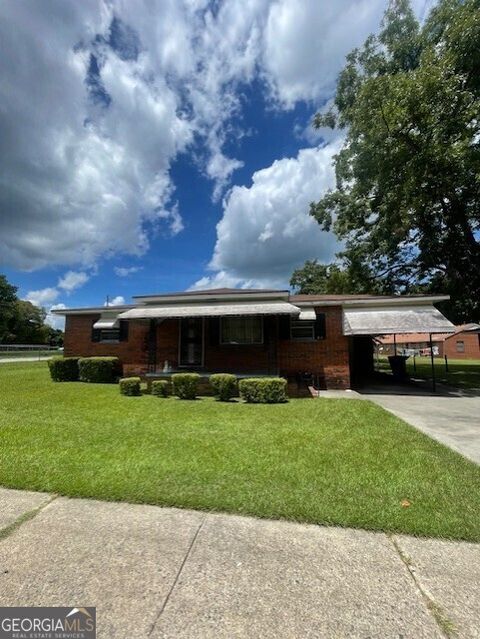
column 364, row 324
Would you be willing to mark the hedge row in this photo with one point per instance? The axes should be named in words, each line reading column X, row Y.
column 130, row 386
column 63, row 369
column 262, row 390
column 100, row 370
column 106, row 370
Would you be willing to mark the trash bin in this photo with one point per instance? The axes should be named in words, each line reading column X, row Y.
column 398, row 364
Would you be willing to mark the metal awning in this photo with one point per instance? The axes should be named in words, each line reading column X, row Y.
column 307, row 314
column 387, row 321
column 210, row 310
column 111, row 322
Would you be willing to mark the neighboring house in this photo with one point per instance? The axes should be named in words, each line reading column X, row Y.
column 417, row 342
column 464, row 343
column 249, row 332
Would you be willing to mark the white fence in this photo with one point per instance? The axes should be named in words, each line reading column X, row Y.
column 39, row 351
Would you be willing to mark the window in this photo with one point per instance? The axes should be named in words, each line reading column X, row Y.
column 308, row 330
column 460, row 347
column 109, row 335
column 241, row 330
column 302, row 330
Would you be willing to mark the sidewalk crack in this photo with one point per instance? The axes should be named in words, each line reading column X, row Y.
column 177, row 576
column 30, row 514
column 444, row 623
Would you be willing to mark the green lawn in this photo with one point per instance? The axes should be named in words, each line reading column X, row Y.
column 462, row 373
column 344, row 462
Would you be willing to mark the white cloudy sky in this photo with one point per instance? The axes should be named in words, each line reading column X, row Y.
column 142, row 138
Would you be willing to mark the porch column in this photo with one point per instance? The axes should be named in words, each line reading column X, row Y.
column 152, row 345
column 272, row 344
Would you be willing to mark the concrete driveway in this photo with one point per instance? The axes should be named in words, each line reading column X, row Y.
column 450, row 416
column 163, row 572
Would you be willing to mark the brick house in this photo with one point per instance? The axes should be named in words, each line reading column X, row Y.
column 464, row 343
column 419, row 342
column 249, row 332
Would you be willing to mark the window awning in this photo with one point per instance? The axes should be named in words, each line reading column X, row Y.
column 111, row 322
column 210, row 310
column 388, row 321
column 307, row 314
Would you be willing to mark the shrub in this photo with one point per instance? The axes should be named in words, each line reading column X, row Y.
column 130, row 386
column 263, row 390
column 161, row 388
column 224, row 386
column 99, row 370
column 63, row 369
column 185, row 385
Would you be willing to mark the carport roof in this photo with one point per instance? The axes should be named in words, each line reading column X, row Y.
column 388, row 321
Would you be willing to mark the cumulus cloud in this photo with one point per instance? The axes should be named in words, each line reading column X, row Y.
column 72, row 280
column 86, row 138
column 99, row 97
column 265, row 231
column 42, row 297
column 116, row 301
column 125, row 271
column 56, row 321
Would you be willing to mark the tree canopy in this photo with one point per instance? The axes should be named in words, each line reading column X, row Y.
column 407, row 198
column 22, row 322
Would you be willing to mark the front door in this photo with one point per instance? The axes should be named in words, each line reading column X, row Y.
column 191, row 342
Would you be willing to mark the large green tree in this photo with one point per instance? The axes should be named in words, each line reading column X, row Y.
column 22, row 322
column 407, row 196
column 8, row 297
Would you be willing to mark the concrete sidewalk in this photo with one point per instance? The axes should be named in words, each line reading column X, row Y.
column 162, row 572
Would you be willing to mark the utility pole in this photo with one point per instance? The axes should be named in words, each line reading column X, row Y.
column 107, row 301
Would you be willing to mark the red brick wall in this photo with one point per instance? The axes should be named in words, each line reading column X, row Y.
column 78, row 342
column 167, row 343
column 227, row 358
column 328, row 358
column 471, row 343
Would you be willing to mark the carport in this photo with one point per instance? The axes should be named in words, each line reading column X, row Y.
column 368, row 319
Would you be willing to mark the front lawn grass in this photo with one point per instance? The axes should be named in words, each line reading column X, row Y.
column 325, row 461
column 461, row 373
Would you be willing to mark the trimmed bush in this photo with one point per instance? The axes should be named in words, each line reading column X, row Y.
column 99, row 370
column 185, row 385
column 263, row 390
column 224, row 386
column 130, row 386
column 63, row 369
column 161, row 388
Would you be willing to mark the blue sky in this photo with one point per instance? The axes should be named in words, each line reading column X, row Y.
column 159, row 146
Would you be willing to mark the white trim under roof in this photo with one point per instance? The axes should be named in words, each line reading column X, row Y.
column 210, row 310
column 400, row 300
column 390, row 321
column 191, row 298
